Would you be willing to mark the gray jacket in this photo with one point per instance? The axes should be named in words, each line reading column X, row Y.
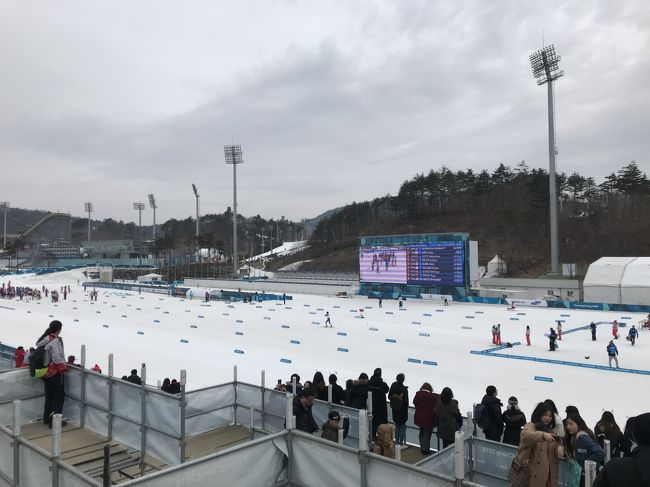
column 53, row 350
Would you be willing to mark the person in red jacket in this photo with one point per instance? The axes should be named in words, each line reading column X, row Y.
column 425, row 418
column 19, row 354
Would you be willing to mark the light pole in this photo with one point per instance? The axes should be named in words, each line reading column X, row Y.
column 88, row 208
column 234, row 156
column 196, row 193
column 152, row 203
column 546, row 70
column 139, row 207
column 5, row 206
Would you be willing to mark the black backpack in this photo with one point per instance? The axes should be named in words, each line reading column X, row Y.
column 36, row 360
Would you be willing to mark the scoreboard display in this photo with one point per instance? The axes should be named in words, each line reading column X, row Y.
column 439, row 263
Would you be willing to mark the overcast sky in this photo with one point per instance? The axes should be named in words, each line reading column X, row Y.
column 333, row 101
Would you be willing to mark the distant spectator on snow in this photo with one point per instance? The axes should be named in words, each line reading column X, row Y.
column 134, row 378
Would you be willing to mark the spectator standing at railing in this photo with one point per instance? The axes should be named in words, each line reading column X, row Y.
column 607, row 429
column 425, row 418
column 514, row 420
column 319, row 386
column 379, row 389
column 54, row 357
column 631, row 471
column 581, row 443
column 448, row 417
column 356, row 394
column 302, row 404
column 398, row 395
column 134, row 378
column 540, row 447
column 494, row 424
column 338, row 394
column 559, row 424
column 19, row 356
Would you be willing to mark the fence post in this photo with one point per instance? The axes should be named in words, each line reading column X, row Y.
column 329, row 394
column 590, row 473
column 56, row 448
column 459, row 458
column 82, row 395
column 475, row 431
column 398, row 453
column 234, row 385
column 143, row 418
column 110, row 397
column 363, row 447
column 340, row 438
column 106, row 475
column 608, row 451
column 263, row 397
column 183, row 406
column 16, row 431
column 369, row 409
column 289, row 422
column 251, row 432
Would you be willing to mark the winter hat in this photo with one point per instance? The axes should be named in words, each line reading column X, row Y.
column 377, row 372
column 513, row 401
column 334, row 415
column 642, row 429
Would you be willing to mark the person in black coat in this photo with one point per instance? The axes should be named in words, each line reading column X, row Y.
column 134, row 378
column 493, row 404
column 338, row 394
column 631, row 471
column 302, row 404
column 514, row 420
column 399, row 394
column 378, row 388
column 356, row 394
column 607, row 429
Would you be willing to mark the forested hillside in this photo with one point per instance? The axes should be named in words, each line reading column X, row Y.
column 506, row 211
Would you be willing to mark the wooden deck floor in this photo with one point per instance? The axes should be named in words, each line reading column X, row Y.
column 84, row 449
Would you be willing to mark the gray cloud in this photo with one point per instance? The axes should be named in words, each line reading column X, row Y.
column 328, row 113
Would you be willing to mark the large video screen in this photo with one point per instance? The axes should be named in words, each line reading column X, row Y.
column 435, row 263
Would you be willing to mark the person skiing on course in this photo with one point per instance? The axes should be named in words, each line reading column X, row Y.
column 559, row 330
column 528, row 335
column 615, row 330
column 552, row 337
column 327, row 319
column 592, row 327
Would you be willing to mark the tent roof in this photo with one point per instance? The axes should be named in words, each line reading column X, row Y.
column 607, row 271
column 637, row 273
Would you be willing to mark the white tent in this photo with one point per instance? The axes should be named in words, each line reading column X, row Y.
column 602, row 283
column 635, row 285
column 496, row 267
column 149, row 278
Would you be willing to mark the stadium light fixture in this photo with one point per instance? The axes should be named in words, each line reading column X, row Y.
column 234, row 156
column 545, row 66
column 139, row 207
column 153, row 205
column 196, row 194
column 88, row 208
column 5, row 206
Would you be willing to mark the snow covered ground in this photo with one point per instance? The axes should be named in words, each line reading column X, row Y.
column 287, row 248
column 266, row 333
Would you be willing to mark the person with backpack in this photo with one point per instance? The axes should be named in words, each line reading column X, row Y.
column 632, row 335
column 53, row 359
column 449, row 418
column 581, row 444
column 425, row 418
column 489, row 417
column 514, row 420
column 378, row 388
column 398, row 395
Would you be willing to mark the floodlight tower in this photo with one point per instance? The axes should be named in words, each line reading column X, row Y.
column 88, row 208
column 546, row 70
column 196, row 193
column 234, row 156
column 139, row 207
column 5, row 206
column 153, row 205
